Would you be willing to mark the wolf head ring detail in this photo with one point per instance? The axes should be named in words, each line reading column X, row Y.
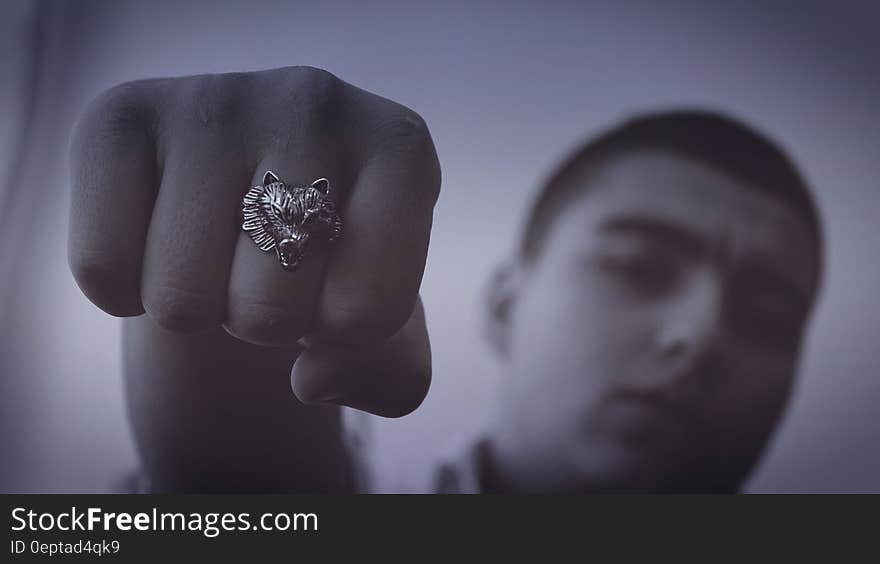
column 290, row 219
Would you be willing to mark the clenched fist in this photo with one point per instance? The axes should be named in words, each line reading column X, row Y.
column 160, row 168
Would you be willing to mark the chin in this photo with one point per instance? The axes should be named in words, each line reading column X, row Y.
column 613, row 467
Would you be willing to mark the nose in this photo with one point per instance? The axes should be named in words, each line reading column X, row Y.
column 691, row 325
column 291, row 242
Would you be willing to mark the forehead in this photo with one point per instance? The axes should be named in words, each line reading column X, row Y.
column 722, row 214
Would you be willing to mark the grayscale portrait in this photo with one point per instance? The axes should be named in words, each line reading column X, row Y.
column 575, row 247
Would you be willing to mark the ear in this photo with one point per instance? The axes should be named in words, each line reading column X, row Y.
column 323, row 185
column 270, row 177
column 501, row 295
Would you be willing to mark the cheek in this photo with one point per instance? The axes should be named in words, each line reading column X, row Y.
column 750, row 395
column 573, row 337
column 578, row 309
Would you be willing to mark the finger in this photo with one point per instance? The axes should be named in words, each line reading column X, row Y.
column 391, row 379
column 195, row 222
column 374, row 274
column 268, row 304
column 113, row 171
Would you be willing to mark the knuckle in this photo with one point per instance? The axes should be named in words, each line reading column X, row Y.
column 180, row 310
column 316, row 93
column 348, row 321
column 267, row 325
column 403, row 130
column 115, row 112
column 211, row 100
column 315, row 80
column 113, row 287
column 405, row 134
column 121, row 102
column 296, row 104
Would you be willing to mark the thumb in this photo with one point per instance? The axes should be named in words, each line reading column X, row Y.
column 389, row 379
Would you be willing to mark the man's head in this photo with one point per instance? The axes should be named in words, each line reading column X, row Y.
column 652, row 321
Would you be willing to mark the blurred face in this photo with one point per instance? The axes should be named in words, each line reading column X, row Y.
column 652, row 344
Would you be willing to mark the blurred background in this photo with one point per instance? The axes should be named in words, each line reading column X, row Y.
column 507, row 88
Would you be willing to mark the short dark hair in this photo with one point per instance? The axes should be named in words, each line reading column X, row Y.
column 719, row 141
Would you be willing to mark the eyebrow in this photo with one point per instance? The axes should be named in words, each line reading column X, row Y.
column 687, row 241
column 691, row 243
column 777, row 280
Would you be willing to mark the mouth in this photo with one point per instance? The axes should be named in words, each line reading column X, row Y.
column 639, row 417
column 291, row 252
column 290, row 260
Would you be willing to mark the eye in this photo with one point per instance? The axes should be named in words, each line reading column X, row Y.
column 764, row 327
column 643, row 272
column 764, row 314
column 310, row 215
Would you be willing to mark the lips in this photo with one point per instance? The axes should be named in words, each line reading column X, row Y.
column 291, row 251
column 641, row 417
column 291, row 259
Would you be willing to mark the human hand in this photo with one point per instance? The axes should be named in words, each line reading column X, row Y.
column 159, row 170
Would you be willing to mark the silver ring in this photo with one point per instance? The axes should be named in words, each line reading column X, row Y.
column 289, row 218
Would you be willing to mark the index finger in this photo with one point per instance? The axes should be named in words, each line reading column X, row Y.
column 372, row 280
